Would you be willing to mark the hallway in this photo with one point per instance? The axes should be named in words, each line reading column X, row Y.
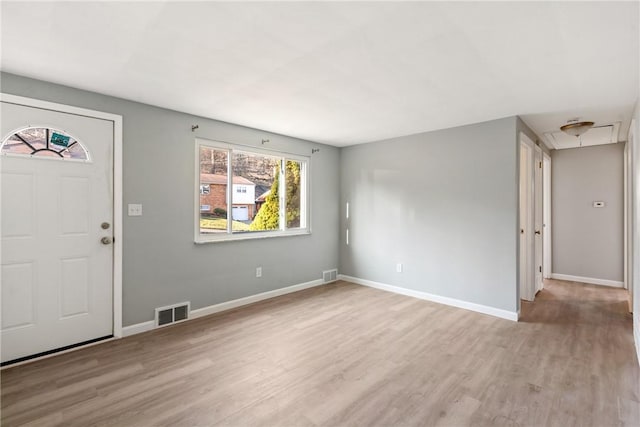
column 589, row 328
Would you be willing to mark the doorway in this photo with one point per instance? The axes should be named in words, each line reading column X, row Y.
column 526, row 220
column 538, row 219
column 534, row 218
column 61, row 209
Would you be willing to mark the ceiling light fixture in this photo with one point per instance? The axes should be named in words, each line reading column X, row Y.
column 576, row 128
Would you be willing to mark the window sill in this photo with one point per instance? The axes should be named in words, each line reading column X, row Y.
column 201, row 240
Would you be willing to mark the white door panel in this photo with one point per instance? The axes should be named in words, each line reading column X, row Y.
column 538, row 225
column 57, row 284
column 527, row 219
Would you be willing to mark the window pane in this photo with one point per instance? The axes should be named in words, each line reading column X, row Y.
column 36, row 137
column 14, row 145
column 213, row 190
column 255, row 195
column 293, row 184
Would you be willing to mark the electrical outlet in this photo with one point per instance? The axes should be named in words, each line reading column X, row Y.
column 135, row 209
column 258, row 271
column 399, row 267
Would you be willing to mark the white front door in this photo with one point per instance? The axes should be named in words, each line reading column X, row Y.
column 56, row 228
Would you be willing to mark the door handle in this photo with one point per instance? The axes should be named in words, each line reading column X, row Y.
column 106, row 240
column 537, row 231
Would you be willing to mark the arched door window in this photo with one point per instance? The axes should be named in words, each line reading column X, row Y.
column 44, row 142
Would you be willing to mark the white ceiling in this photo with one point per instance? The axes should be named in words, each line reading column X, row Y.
column 341, row 73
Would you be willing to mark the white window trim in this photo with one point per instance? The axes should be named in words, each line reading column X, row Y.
column 305, row 208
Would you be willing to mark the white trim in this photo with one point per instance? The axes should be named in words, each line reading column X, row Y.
column 216, row 308
column 117, row 226
column 478, row 308
column 223, row 306
column 590, row 280
column 138, row 328
column 117, row 188
column 547, row 264
column 626, row 188
column 636, row 340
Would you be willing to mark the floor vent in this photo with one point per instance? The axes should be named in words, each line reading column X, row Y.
column 172, row 313
column 330, row 276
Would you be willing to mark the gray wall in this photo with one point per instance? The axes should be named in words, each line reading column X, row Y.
column 444, row 204
column 162, row 265
column 588, row 241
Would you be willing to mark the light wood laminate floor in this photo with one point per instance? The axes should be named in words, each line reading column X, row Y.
column 344, row 354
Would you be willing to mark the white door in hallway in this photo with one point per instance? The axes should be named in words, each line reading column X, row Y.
column 538, row 218
column 56, row 229
column 526, row 220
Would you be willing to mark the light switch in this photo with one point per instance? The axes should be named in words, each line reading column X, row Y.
column 135, row 209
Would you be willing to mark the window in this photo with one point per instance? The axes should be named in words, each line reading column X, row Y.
column 249, row 193
column 44, row 143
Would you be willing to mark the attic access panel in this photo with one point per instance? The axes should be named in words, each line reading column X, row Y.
column 598, row 135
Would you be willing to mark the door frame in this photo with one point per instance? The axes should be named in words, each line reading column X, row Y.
column 117, row 187
column 546, row 216
column 630, row 214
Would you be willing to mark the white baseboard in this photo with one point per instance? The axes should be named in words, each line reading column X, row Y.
column 205, row 311
column 590, row 280
column 496, row 312
column 138, row 328
column 228, row 305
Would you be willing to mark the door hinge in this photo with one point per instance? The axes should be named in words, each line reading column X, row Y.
column 540, row 269
column 540, row 165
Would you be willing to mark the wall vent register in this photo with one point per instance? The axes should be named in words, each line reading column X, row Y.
column 172, row 313
column 329, row 276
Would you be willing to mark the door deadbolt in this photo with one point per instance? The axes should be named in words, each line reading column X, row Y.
column 105, row 225
column 106, row 240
